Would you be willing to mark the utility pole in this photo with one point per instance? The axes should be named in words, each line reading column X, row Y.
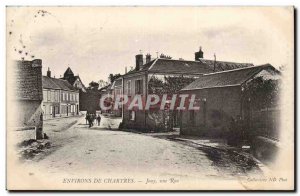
column 215, row 61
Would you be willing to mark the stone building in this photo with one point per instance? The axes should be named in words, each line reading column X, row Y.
column 25, row 95
column 224, row 98
column 164, row 76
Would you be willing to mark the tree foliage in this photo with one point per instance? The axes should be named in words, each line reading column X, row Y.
column 262, row 93
column 113, row 77
column 102, row 83
column 168, row 85
column 93, row 85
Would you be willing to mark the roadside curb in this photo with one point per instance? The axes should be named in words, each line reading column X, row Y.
column 262, row 166
column 61, row 117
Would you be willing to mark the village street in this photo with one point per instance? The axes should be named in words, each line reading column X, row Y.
column 103, row 151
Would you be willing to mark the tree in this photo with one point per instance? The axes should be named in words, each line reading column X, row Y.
column 93, row 85
column 102, row 83
column 113, row 77
column 262, row 93
column 169, row 85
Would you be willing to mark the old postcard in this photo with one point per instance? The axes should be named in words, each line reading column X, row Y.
column 150, row 98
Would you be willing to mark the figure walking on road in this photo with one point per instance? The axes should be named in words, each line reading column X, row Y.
column 98, row 119
column 90, row 120
column 86, row 118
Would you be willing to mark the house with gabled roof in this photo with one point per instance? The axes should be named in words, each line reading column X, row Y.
column 75, row 81
column 60, row 98
column 248, row 96
column 152, row 77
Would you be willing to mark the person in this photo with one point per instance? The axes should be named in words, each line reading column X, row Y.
column 98, row 119
column 89, row 118
column 86, row 118
column 92, row 119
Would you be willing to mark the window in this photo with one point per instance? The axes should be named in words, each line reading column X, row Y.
column 56, row 96
column 51, row 109
column 52, row 95
column 132, row 115
column 48, row 95
column 45, row 95
column 139, row 87
column 129, row 87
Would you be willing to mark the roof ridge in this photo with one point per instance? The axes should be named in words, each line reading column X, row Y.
column 56, row 78
column 202, row 59
column 178, row 60
column 57, row 82
column 217, row 80
column 225, row 61
column 237, row 69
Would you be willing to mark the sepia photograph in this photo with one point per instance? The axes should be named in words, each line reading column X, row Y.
column 150, row 98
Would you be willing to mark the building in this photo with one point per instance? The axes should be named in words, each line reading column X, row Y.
column 90, row 100
column 25, row 97
column 76, row 82
column 112, row 91
column 117, row 91
column 164, row 76
column 61, row 99
column 247, row 95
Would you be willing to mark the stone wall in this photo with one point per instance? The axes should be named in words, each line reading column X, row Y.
column 217, row 107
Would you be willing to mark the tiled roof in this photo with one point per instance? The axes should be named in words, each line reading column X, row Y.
column 203, row 66
column 227, row 78
column 54, row 83
column 223, row 65
column 72, row 80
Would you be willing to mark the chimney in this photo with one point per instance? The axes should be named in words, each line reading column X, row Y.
column 199, row 55
column 148, row 58
column 138, row 61
column 49, row 73
column 125, row 70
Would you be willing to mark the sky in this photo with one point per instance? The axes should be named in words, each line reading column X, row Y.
column 97, row 41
